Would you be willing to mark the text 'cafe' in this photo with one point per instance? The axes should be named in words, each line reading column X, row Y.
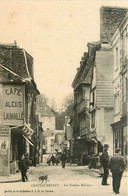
column 14, row 131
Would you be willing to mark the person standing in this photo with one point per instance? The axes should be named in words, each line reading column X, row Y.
column 49, row 160
column 104, row 164
column 117, row 167
column 27, row 160
column 23, row 167
column 56, row 159
column 53, row 159
column 63, row 159
column 83, row 159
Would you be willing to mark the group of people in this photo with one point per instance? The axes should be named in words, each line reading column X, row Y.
column 116, row 164
column 55, row 159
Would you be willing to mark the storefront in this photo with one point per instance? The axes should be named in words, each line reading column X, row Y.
column 82, row 145
column 4, row 150
column 15, row 133
column 20, row 143
column 120, row 136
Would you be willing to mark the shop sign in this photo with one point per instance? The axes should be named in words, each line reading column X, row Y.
column 4, row 151
column 13, row 105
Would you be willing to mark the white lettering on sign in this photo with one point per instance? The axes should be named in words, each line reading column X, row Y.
column 13, row 116
column 13, row 91
column 13, row 104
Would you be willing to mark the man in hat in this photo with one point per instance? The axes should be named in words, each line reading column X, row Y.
column 23, row 167
column 63, row 159
column 104, row 163
column 117, row 167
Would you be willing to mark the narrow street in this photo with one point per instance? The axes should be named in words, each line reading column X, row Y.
column 73, row 180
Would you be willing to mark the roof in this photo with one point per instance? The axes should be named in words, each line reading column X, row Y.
column 16, row 60
column 84, row 68
column 16, row 65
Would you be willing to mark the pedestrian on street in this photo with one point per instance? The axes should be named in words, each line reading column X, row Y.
column 56, row 159
column 63, row 159
column 49, row 160
column 23, row 167
column 27, row 160
column 83, row 159
column 117, row 167
column 99, row 165
column 53, row 159
column 104, row 164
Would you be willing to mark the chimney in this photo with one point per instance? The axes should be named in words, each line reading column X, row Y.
column 110, row 19
column 15, row 43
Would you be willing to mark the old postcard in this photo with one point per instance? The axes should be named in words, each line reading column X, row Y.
column 63, row 98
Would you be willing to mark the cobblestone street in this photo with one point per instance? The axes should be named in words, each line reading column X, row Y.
column 72, row 180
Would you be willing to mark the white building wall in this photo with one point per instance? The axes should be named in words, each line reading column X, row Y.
column 49, row 147
column 104, row 118
column 48, row 123
column 120, row 41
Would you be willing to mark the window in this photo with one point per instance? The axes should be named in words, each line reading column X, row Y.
column 92, row 119
column 92, row 100
column 116, row 58
column 117, row 104
column 117, row 99
column 125, row 86
column 125, row 42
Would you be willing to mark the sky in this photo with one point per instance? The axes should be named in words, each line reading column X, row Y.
column 56, row 34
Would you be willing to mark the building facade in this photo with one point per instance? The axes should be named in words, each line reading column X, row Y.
column 18, row 120
column 82, row 142
column 107, row 89
column 102, row 100
column 119, row 44
column 47, row 121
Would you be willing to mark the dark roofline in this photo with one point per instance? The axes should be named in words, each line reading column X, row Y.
column 114, row 7
column 13, row 46
column 95, row 45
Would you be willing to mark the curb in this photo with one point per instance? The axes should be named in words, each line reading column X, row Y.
column 17, row 180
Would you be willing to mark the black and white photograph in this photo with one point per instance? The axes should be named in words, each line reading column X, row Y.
column 63, row 98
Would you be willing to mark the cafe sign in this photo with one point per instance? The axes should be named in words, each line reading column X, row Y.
column 13, row 104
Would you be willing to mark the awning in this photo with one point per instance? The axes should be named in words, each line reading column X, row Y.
column 28, row 140
column 29, row 130
column 24, row 129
